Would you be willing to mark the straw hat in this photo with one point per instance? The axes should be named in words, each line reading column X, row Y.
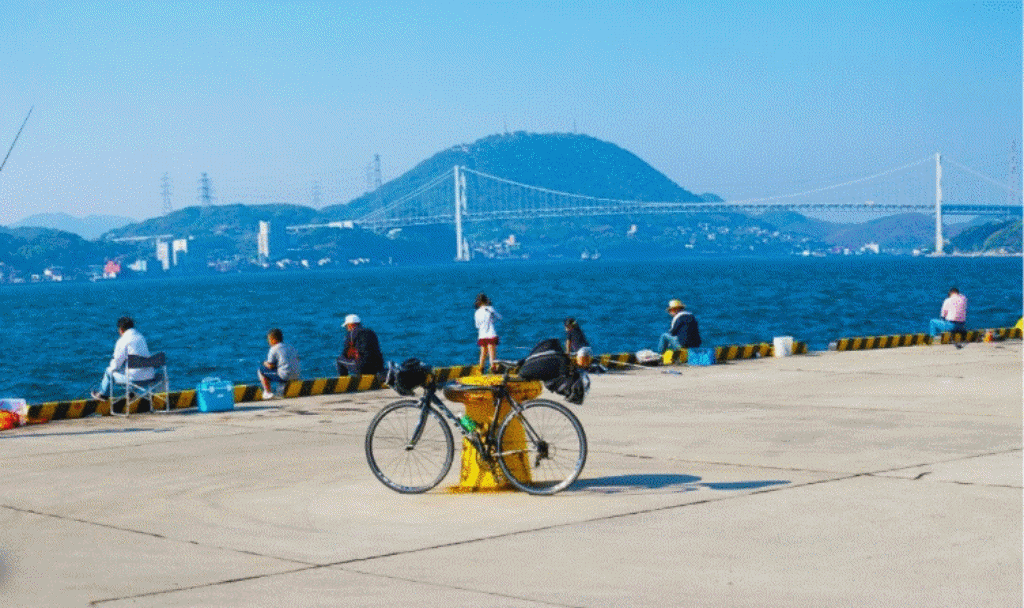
column 675, row 305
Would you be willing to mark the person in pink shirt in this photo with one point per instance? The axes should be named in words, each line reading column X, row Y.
column 953, row 315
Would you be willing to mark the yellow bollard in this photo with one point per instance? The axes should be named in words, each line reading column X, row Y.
column 475, row 393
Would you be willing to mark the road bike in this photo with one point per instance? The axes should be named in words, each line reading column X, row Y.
column 539, row 446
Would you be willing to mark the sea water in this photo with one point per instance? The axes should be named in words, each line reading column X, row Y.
column 58, row 337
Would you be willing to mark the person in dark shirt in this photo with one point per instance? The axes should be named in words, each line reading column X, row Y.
column 362, row 350
column 683, row 333
column 576, row 345
column 574, row 338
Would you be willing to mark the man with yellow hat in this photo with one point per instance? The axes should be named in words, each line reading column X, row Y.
column 683, row 333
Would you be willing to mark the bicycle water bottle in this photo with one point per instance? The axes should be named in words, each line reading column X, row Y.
column 467, row 423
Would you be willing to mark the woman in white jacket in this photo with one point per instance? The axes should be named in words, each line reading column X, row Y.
column 486, row 335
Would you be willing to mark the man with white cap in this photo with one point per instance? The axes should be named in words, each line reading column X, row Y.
column 683, row 333
column 362, row 350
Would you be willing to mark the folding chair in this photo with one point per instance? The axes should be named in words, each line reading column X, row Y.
column 136, row 391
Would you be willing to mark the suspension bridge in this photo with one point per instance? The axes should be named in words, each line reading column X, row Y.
column 462, row 195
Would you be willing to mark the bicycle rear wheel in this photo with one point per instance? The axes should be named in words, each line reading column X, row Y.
column 401, row 463
column 542, row 449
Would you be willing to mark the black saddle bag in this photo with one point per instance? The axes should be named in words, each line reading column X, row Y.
column 545, row 362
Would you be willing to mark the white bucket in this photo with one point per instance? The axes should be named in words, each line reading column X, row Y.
column 783, row 346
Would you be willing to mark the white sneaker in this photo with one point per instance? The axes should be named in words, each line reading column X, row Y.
column 268, row 395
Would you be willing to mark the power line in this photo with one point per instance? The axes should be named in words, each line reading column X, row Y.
column 11, row 149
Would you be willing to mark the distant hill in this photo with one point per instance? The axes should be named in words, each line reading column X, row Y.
column 235, row 220
column 791, row 221
column 906, row 231
column 564, row 162
column 1004, row 236
column 31, row 250
column 89, row 227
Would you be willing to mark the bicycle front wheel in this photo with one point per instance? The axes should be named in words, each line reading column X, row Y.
column 409, row 447
column 541, row 449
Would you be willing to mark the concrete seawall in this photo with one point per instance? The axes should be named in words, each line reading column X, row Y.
column 881, row 477
column 81, row 408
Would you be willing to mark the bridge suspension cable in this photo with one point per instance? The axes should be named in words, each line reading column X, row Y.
column 379, row 215
column 994, row 182
column 835, row 186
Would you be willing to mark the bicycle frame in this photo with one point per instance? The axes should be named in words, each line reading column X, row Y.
column 500, row 392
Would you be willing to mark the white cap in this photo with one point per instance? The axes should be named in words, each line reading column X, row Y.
column 353, row 320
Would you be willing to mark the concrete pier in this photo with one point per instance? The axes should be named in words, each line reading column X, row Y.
column 867, row 478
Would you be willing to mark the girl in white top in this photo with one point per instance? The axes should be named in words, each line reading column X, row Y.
column 487, row 337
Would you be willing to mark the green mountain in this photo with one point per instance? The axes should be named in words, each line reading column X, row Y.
column 235, row 221
column 563, row 162
column 33, row 250
column 1002, row 236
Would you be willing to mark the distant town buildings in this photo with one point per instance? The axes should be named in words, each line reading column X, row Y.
column 163, row 254
column 271, row 242
column 178, row 246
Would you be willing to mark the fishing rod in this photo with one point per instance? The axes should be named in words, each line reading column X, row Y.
column 11, row 149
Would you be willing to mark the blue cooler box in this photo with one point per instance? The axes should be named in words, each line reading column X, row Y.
column 700, row 356
column 215, row 396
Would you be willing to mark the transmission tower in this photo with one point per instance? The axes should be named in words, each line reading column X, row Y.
column 1014, row 170
column 165, row 191
column 205, row 190
column 373, row 175
column 314, row 194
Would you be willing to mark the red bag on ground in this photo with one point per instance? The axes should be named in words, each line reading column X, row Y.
column 9, row 420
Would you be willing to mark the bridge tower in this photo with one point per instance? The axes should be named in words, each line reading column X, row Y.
column 461, row 246
column 938, row 204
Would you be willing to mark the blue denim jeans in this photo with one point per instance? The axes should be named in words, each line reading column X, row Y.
column 108, row 379
column 938, row 326
column 668, row 342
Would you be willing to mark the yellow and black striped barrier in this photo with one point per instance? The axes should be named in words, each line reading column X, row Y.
column 742, row 351
column 872, row 342
column 731, row 352
column 81, row 408
column 996, row 334
column 617, row 360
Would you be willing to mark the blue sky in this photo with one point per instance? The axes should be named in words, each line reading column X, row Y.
column 741, row 99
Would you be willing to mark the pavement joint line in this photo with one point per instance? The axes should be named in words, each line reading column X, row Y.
column 951, row 481
column 341, row 564
column 740, row 465
column 457, row 588
column 602, row 518
column 867, row 409
column 153, row 535
column 953, row 459
column 509, row 534
column 240, row 579
column 249, row 431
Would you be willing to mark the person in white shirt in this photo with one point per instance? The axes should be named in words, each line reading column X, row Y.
column 130, row 342
column 487, row 336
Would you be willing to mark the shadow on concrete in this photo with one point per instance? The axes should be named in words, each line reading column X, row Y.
column 673, row 483
column 80, row 433
column 237, row 408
